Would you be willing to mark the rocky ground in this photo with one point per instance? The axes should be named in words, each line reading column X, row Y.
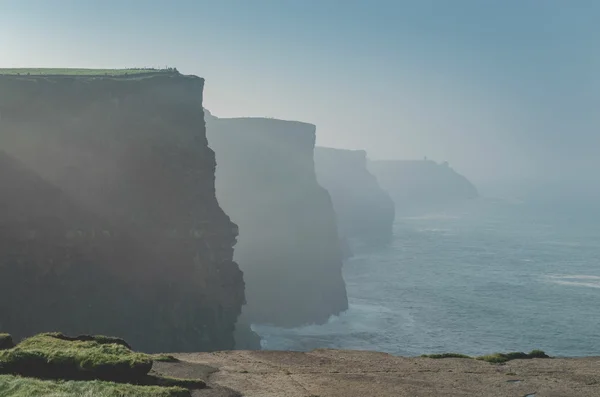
column 337, row 373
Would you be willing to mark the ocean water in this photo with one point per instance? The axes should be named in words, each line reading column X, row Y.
column 488, row 276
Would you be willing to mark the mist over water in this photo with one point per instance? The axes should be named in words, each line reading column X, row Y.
column 486, row 276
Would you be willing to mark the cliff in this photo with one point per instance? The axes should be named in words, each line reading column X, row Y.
column 288, row 247
column 109, row 219
column 364, row 210
column 421, row 186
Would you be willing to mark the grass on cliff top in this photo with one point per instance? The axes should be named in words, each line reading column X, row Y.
column 83, row 72
column 53, row 364
column 496, row 358
column 56, row 356
column 165, row 358
column 446, row 355
column 16, row 386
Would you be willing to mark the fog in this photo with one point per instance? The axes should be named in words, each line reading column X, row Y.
column 505, row 91
column 402, row 176
column 288, row 242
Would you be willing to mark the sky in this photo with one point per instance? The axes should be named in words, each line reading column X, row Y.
column 502, row 89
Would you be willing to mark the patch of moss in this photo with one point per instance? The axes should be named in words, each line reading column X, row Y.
column 165, row 358
column 446, row 355
column 87, row 365
column 16, row 386
column 51, row 356
column 538, row 354
column 496, row 358
column 6, row 342
column 101, row 339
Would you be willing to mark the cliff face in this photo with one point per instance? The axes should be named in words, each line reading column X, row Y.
column 111, row 225
column 422, row 185
column 288, row 246
column 364, row 210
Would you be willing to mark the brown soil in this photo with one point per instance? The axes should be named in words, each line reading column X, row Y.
column 340, row 373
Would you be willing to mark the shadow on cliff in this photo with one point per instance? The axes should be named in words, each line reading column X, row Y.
column 109, row 222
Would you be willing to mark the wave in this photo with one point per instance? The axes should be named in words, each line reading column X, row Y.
column 361, row 327
column 429, row 217
column 577, row 280
column 563, row 243
column 499, row 200
column 447, row 232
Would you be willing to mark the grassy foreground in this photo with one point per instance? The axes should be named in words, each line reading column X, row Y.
column 55, row 356
column 496, row 358
column 56, row 365
column 17, row 386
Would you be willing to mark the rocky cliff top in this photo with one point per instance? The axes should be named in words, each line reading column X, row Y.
column 86, row 73
column 344, row 373
column 301, row 136
column 358, row 157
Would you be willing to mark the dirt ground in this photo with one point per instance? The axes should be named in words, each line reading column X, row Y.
column 341, row 373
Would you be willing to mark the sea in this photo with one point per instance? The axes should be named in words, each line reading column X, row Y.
column 489, row 275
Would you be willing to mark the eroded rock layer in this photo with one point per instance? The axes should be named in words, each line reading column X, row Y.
column 109, row 222
column 288, row 246
column 364, row 210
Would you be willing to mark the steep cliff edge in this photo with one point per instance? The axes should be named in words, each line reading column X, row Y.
column 364, row 210
column 112, row 225
column 288, row 245
column 420, row 186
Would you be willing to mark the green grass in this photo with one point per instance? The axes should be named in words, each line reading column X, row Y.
column 83, row 72
column 496, row 358
column 6, row 341
column 51, row 356
column 446, row 355
column 102, row 339
column 165, row 358
column 87, row 365
column 16, row 386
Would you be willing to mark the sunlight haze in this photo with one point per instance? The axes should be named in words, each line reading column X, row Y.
column 500, row 89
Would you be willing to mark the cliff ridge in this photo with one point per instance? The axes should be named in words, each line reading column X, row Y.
column 421, row 186
column 288, row 246
column 132, row 240
column 365, row 212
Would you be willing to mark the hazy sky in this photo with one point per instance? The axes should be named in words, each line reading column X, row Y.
column 498, row 88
